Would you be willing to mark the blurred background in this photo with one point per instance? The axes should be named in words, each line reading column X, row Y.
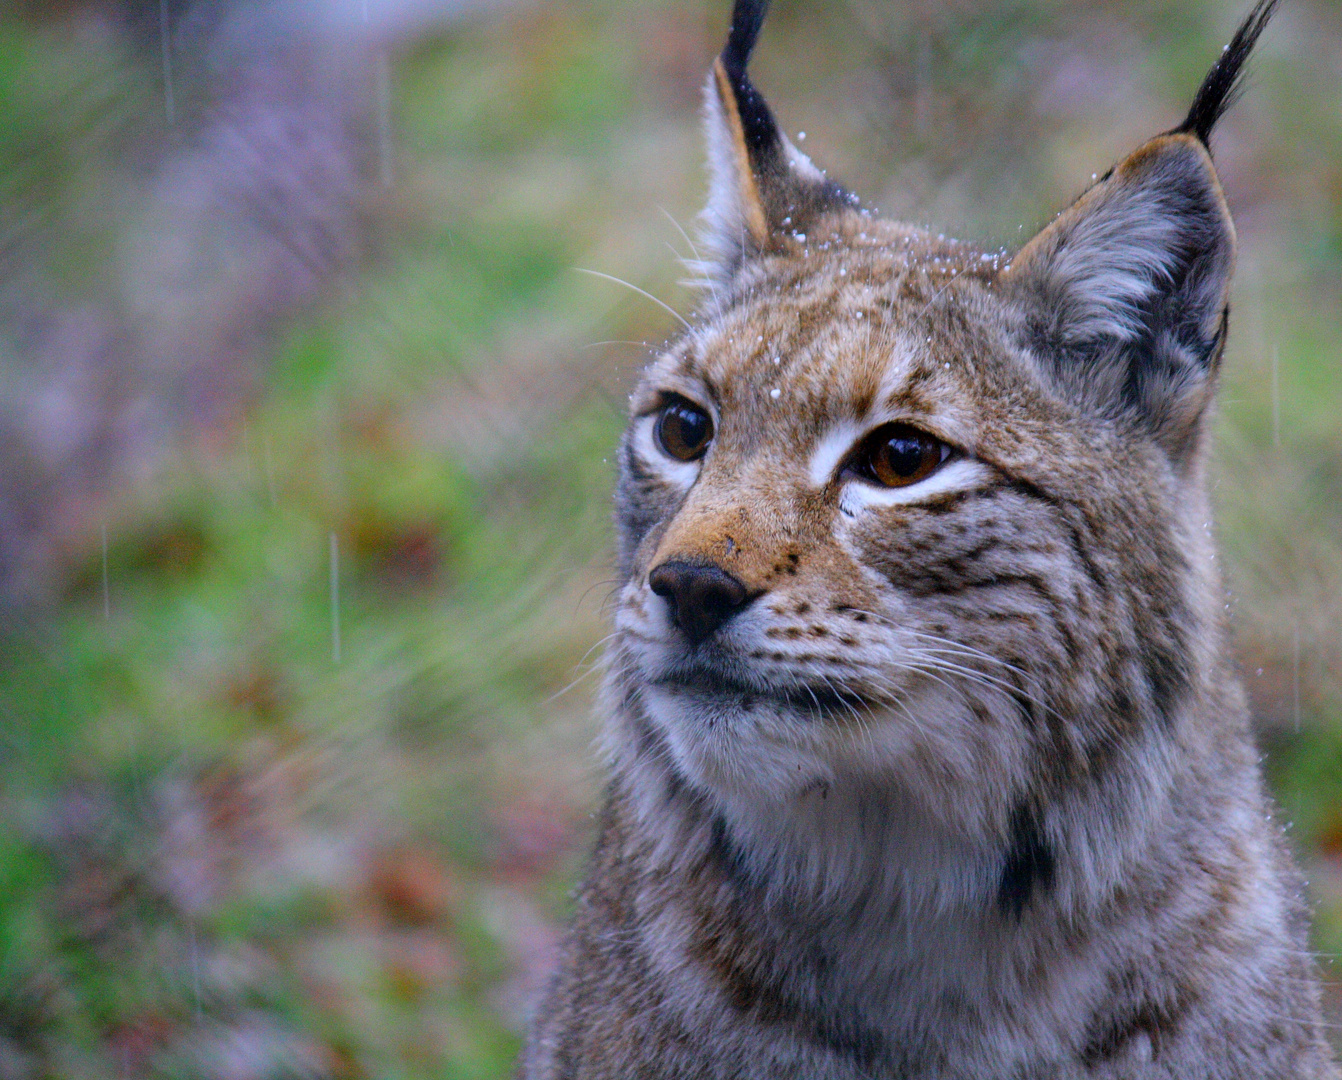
column 306, row 417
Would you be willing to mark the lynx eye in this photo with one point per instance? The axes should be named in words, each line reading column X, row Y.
column 684, row 430
column 897, row 455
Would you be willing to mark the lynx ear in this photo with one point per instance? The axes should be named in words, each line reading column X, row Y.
column 763, row 191
column 1126, row 293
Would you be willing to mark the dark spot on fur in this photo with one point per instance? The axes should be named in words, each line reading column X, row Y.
column 817, row 785
column 723, row 851
column 981, row 713
column 760, row 994
column 1166, row 669
column 803, row 608
column 861, row 616
column 944, row 502
column 1029, row 865
column 819, row 631
column 1025, row 708
column 848, row 640
column 1129, row 1013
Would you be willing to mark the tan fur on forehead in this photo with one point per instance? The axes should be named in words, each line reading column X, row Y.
column 849, row 319
column 873, row 247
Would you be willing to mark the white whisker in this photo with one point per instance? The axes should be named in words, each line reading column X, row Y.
column 641, row 292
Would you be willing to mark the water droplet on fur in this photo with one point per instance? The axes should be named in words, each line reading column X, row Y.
column 801, row 136
column 775, row 393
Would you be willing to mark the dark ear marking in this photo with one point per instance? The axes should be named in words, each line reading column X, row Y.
column 758, row 125
column 764, row 193
column 1225, row 82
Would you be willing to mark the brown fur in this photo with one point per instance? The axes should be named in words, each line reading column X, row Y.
column 962, row 783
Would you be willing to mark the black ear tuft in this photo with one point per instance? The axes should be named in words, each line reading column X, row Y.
column 747, row 18
column 764, row 194
column 1224, row 83
column 757, row 122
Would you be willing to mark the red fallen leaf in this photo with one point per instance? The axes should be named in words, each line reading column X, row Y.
column 342, row 1062
column 259, row 688
column 413, row 887
column 371, row 424
column 418, row 961
column 176, row 548
column 1329, row 838
column 400, row 553
column 533, row 832
column 135, row 1042
column 94, row 894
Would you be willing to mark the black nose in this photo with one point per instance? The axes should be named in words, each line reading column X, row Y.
column 702, row 597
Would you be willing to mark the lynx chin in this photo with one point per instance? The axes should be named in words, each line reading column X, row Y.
column 929, row 758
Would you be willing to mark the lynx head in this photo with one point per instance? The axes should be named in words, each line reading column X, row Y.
column 900, row 515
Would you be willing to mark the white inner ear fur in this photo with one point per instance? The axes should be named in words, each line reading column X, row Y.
column 1112, row 262
column 724, row 221
column 681, row 473
column 961, row 474
column 725, row 218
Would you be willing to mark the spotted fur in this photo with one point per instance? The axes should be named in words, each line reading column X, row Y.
column 955, row 779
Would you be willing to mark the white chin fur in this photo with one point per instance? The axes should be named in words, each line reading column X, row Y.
column 754, row 753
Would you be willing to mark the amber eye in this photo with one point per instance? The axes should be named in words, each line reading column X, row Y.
column 897, row 455
column 684, row 430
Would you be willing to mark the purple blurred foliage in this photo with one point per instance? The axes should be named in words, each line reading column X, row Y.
column 255, row 194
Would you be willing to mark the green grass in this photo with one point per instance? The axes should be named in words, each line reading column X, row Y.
column 214, row 823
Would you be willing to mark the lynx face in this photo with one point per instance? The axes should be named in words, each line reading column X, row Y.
column 895, row 506
column 929, row 755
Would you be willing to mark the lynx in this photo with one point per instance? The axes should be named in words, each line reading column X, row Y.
column 928, row 753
